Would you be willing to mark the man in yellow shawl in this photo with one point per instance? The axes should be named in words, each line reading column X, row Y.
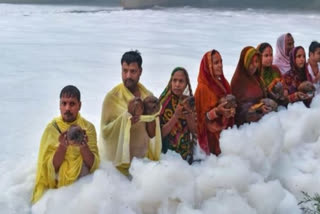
column 125, row 135
column 62, row 161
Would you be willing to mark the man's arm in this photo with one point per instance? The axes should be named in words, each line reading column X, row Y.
column 151, row 129
column 59, row 155
column 87, row 155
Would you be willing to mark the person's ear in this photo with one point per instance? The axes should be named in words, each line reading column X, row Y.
column 80, row 105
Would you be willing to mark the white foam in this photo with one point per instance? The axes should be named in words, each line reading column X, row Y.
column 263, row 167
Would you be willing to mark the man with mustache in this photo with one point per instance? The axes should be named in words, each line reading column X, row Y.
column 62, row 161
column 124, row 133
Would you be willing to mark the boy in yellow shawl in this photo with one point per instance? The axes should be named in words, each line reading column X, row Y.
column 125, row 135
column 62, row 161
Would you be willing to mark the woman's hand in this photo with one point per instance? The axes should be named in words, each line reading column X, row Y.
column 301, row 96
column 179, row 111
column 225, row 112
column 266, row 109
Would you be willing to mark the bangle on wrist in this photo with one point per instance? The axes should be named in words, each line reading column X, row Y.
column 212, row 114
column 208, row 116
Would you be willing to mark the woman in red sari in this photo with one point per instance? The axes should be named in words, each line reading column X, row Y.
column 212, row 117
column 247, row 86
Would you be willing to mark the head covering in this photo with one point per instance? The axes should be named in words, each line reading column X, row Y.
column 281, row 59
column 248, row 89
column 295, row 76
column 269, row 75
column 209, row 90
column 244, row 86
column 167, row 91
column 300, row 74
column 180, row 139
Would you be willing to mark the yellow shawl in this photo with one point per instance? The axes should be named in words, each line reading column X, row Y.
column 72, row 164
column 114, row 143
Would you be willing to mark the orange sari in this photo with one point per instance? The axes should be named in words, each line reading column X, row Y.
column 209, row 90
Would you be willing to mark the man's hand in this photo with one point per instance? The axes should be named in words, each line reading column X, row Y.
column 135, row 119
column 135, row 106
column 84, row 141
column 151, row 105
column 63, row 139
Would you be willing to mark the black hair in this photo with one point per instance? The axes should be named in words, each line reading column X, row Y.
column 131, row 57
column 289, row 34
column 70, row 91
column 313, row 47
column 263, row 46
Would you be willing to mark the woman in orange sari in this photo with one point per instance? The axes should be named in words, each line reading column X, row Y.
column 247, row 86
column 212, row 117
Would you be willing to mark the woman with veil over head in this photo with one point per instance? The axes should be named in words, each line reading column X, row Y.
column 213, row 116
column 247, row 86
column 285, row 43
column 177, row 115
column 297, row 81
column 271, row 75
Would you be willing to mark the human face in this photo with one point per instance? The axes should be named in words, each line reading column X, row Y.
column 69, row 108
column 178, row 83
column 217, row 64
column 267, row 57
column 300, row 58
column 131, row 75
column 316, row 55
column 253, row 67
column 289, row 44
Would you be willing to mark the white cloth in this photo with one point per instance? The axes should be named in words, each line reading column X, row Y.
column 317, row 84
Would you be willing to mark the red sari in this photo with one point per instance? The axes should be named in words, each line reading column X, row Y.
column 209, row 90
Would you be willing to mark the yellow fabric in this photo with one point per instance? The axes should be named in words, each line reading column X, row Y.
column 247, row 59
column 72, row 164
column 115, row 139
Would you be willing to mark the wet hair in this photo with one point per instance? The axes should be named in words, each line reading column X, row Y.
column 313, row 47
column 184, row 71
column 70, row 91
column 263, row 46
column 132, row 57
